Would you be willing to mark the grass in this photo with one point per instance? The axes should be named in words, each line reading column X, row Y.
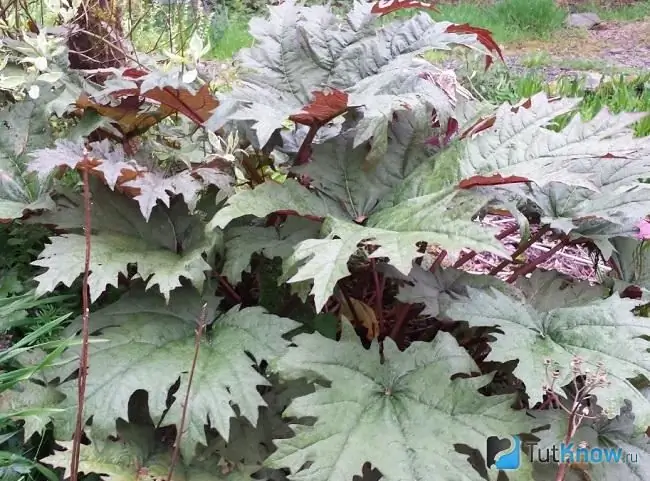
column 618, row 94
column 234, row 37
column 636, row 11
column 508, row 20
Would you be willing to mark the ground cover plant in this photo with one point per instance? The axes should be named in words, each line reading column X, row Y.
column 275, row 278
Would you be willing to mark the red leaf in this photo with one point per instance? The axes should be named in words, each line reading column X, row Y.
column 197, row 107
column 484, row 36
column 131, row 120
column 496, row 179
column 324, row 107
column 383, row 7
column 479, row 126
column 452, row 129
column 632, row 292
column 127, row 115
column 134, row 73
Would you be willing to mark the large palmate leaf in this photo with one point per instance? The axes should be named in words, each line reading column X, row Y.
column 341, row 184
column 149, row 347
column 557, row 324
column 628, row 449
column 403, row 416
column 137, row 454
column 517, row 141
column 339, row 170
column 590, row 214
column 440, row 219
column 274, row 197
column 250, row 444
column 24, row 127
column 346, row 193
column 300, row 50
column 170, row 246
column 617, row 198
column 149, row 187
column 129, row 93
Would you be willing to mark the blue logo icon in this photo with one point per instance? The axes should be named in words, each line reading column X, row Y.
column 504, row 453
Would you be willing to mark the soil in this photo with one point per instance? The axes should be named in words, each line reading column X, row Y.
column 623, row 47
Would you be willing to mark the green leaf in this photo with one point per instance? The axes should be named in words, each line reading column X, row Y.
column 150, row 352
column 551, row 156
column 572, row 156
column 137, row 454
column 324, row 261
column 170, row 246
column 153, row 187
column 33, row 402
column 339, row 168
column 436, row 289
column 403, row 416
column 25, row 127
column 558, row 328
column 250, row 444
column 442, row 219
column 272, row 197
column 632, row 259
column 611, row 207
column 548, row 290
column 242, row 242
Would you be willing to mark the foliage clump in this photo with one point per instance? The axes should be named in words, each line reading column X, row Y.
column 315, row 222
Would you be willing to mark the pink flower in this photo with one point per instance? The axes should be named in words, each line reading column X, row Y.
column 644, row 229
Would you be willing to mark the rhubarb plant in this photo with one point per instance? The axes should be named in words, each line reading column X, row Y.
column 317, row 222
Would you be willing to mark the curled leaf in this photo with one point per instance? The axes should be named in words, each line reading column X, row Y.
column 361, row 313
column 383, row 7
column 490, row 180
column 483, row 35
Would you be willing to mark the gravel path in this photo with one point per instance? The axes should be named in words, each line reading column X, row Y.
column 573, row 260
column 614, row 47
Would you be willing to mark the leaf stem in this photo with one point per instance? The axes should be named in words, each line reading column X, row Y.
column 520, row 250
column 531, row 240
column 468, row 256
column 85, row 316
column 379, row 301
column 530, row 267
column 400, row 319
column 438, row 261
column 304, row 151
column 228, row 288
column 203, row 317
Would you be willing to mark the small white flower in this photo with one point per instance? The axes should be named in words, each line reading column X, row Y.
column 34, row 92
column 190, row 76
